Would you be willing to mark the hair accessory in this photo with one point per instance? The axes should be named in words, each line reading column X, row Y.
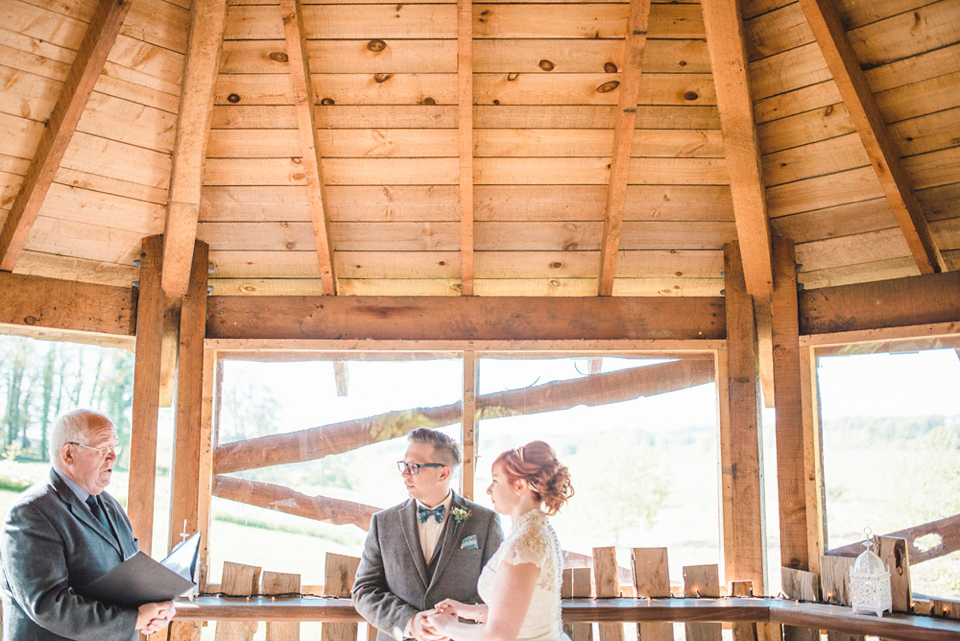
column 520, row 453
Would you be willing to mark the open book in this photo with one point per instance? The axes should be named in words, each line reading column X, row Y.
column 140, row 579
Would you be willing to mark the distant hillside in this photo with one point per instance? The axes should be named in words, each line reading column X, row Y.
column 893, row 428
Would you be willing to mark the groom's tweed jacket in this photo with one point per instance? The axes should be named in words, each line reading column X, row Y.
column 393, row 583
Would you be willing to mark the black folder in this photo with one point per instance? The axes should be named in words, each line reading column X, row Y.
column 140, row 579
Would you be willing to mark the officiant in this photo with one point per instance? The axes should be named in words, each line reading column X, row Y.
column 429, row 548
column 63, row 533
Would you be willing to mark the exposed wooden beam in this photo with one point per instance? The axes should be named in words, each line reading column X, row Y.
column 738, row 392
column 318, row 442
column 812, row 458
column 204, row 45
column 469, row 423
column 465, row 124
column 304, row 103
column 186, row 478
column 791, row 470
column 947, row 529
column 860, row 102
column 96, row 45
column 38, row 302
column 724, row 30
column 626, row 118
column 146, row 393
column 915, row 300
column 464, row 318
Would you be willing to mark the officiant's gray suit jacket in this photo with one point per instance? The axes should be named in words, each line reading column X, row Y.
column 393, row 580
column 51, row 546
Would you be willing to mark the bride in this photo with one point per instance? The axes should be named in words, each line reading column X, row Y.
column 520, row 585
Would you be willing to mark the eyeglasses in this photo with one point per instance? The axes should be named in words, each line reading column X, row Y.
column 102, row 451
column 414, row 468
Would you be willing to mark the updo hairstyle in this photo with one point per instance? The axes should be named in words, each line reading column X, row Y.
column 537, row 464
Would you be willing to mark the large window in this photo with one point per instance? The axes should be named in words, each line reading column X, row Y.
column 891, row 450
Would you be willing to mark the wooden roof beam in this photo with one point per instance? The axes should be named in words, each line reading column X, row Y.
column 626, row 118
column 858, row 97
column 465, row 124
column 202, row 65
column 304, row 102
column 96, row 45
column 724, row 30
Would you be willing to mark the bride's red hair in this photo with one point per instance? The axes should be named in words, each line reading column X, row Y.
column 537, row 464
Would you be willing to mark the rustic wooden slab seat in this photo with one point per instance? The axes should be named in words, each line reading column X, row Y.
column 832, row 617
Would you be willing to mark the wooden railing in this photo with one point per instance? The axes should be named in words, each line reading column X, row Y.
column 903, row 627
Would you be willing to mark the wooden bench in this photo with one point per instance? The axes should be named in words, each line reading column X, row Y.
column 903, row 627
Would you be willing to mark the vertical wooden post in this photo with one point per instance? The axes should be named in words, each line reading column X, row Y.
column 576, row 585
column 790, row 433
column 279, row 583
column 835, row 586
column 741, row 488
column 185, row 475
column 804, row 586
column 812, row 457
column 212, row 381
column 339, row 572
column 651, row 578
column 238, row 580
column 893, row 551
column 702, row 580
column 607, row 580
column 146, row 393
column 468, row 429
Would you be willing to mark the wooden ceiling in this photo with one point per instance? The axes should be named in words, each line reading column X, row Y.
column 493, row 149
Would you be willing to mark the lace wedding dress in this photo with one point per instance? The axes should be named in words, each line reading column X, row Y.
column 531, row 541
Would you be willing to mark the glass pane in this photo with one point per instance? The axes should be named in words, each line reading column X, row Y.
column 891, row 449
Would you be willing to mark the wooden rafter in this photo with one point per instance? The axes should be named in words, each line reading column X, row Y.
column 318, row 442
column 465, row 124
column 60, row 127
column 189, row 152
column 626, row 118
column 304, row 102
column 860, row 102
column 728, row 60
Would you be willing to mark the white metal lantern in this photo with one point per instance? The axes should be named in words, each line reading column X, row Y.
column 870, row 583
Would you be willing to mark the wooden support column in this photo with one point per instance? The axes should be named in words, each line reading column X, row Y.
column 468, row 430
column 465, row 127
column 146, row 393
column 790, row 432
column 812, row 458
column 740, row 459
column 185, row 481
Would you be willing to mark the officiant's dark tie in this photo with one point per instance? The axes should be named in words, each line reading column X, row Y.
column 94, row 506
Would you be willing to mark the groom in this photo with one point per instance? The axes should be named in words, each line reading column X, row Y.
column 426, row 549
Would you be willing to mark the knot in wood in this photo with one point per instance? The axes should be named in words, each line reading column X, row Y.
column 234, row 98
column 610, row 67
column 327, row 102
column 691, row 95
column 279, row 56
column 546, row 65
column 429, row 101
column 554, row 282
column 512, row 76
column 290, row 245
column 381, row 78
column 376, row 45
column 607, row 87
column 556, row 264
column 569, row 247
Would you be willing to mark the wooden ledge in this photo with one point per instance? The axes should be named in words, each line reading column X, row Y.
column 811, row 615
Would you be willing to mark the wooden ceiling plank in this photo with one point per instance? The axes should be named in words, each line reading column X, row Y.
column 859, row 99
column 725, row 42
column 465, row 125
column 190, row 146
column 99, row 39
column 626, row 118
column 304, row 101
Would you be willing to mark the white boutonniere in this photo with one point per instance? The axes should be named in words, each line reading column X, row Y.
column 459, row 514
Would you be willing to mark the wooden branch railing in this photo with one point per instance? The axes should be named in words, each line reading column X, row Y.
column 948, row 529
column 903, row 627
column 284, row 499
column 336, row 438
